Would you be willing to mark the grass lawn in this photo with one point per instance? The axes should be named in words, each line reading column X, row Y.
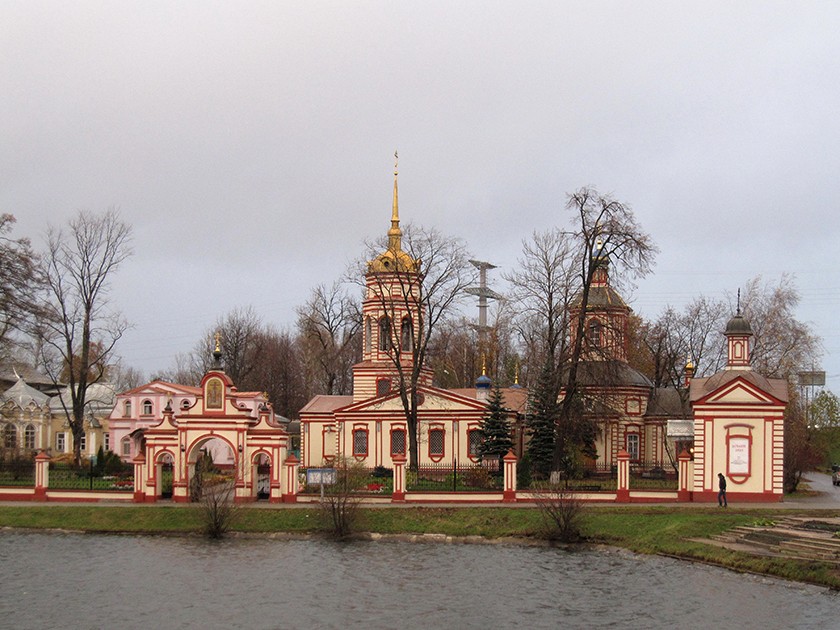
column 643, row 529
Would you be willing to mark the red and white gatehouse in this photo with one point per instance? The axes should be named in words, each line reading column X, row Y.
column 738, row 426
column 242, row 424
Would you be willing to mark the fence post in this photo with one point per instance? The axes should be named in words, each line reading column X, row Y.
column 509, row 461
column 399, row 478
column 454, row 475
column 290, row 479
column 684, row 459
column 42, row 476
column 622, row 494
column 139, row 477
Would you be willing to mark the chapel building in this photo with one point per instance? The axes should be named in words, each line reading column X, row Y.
column 370, row 426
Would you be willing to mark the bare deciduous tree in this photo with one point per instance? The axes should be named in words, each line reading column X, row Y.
column 605, row 230
column 20, row 282
column 80, row 331
column 330, row 325
column 457, row 358
column 562, row 512
column 278, row 371
column 782, row 345
column 340, row 502
column 542, row 289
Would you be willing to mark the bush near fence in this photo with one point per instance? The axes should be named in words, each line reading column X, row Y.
column 17, row 471
column 379, row 480
column 475, row 477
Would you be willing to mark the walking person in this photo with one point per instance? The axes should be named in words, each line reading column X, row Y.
column 722, row 491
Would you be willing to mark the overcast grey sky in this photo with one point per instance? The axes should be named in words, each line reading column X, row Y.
column 251, row 144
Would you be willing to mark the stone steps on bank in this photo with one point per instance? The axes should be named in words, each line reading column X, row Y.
column 786, row 537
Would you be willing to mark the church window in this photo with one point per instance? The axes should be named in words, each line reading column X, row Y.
column 10, row 436
column 385, row 334
column 125, row 445
column 594, row 333
column 383, row 387
column 406, row 336
column 29, row 437
column 633, row 446
column 147, row 407
column 436, row 444
column 360, row 442
column 127, row 409
column 398, row 442
column 473, row 443
column 368, row 333
column 185, row 404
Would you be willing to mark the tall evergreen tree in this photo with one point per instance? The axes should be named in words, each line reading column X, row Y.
column 495, row 428
column 542, row 423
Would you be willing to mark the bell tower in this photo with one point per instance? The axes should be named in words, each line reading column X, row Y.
column 605, row 315
column 391, row 312
column 738, row 333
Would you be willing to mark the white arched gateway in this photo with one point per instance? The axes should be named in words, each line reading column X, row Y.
column 238, row 427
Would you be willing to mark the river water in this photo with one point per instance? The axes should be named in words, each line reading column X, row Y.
column 154, row 583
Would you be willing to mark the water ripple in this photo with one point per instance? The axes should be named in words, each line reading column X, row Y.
column 93, row 581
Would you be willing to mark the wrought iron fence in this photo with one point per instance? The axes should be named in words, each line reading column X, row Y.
column 652, row 475
column 600, row 468
column 450, row 477
column 64, row 477
column 361, row 479
column 17, row 472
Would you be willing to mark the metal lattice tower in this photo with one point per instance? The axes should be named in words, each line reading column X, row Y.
column 484, row 293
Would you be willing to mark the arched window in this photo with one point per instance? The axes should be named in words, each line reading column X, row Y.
column 398, row 442
column 474, row 439
column 406, row 335
column 360, row 442
column 29, row 437
column 185, row 404
column 368, row 333
column 127, row 409
column 633, row 446
column 436, row 444
column 10, row 436
column 385, row 334
column 147, row 407
column 594, row 333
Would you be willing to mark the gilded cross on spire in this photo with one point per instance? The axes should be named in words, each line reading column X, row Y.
column 395, row 233
column 217, row 351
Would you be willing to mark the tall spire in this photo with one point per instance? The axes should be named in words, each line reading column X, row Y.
column 395, row 233
column 394, row 259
